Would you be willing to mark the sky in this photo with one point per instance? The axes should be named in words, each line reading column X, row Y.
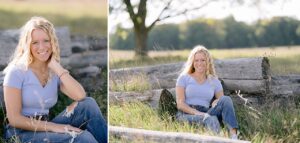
column 246, row 13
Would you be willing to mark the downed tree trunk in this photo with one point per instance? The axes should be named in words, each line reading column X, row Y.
column 142, row 135
column 247, row 86
column 243, row 68
column 152, row 97
column 249, row 75
column 149, row 95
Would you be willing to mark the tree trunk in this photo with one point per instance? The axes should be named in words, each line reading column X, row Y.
column 141, row 38
column 142, row 135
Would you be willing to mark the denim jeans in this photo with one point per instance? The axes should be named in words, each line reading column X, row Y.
column 86, row 115
column 223, row 111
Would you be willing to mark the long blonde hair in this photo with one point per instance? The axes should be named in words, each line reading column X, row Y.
column 22, row 56
column 189, row 65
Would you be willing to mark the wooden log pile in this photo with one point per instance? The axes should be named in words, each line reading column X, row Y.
column 249, row 77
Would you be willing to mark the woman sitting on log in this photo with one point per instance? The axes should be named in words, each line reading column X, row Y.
column 195, row 88
column 31, row 84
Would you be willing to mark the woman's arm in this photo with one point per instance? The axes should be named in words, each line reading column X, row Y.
column 181, row 105
column 13, row 103
column 68, row 85
column 217, row 95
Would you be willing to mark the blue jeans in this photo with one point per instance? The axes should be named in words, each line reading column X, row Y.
column 86, row 115
column 223, row 111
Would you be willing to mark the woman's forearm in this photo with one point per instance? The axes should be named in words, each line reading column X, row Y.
column 72, row 87
column 69, row 85
column 31, row 124
column 187, row 109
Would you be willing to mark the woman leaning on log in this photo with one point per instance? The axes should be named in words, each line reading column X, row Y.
column 195, row 88
column 31, row 84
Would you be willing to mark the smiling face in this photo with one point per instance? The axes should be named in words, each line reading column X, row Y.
column 40, row 46
column 200, row 63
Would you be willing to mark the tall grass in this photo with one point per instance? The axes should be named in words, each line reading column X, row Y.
column 140, row 115
column 131, row 83
column 270, row 125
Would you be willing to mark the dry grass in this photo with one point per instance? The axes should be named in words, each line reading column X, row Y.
column 117, row 55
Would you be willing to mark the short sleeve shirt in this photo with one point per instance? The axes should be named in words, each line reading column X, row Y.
column 196, row 93
column 36, row 99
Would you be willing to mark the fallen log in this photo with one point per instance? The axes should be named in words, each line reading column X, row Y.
column 246, row 86
column 249, row 75
column 151, row 97
column 243, row 68
column 142, row 135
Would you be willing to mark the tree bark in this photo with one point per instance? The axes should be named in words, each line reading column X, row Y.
column 142, row 135
column 250, row 75
column 141, row 38
column 140, row 28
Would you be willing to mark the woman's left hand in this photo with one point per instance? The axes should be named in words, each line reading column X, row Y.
column 215, row 102
column 55, row 66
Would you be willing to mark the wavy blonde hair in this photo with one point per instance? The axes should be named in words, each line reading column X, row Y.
column 22, row 56
column 189, row 65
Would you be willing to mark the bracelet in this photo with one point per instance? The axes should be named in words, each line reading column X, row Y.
column 64, row 72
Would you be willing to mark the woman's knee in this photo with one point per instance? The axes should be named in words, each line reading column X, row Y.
column 89, row 102
column 226, row 99
column 212, row 123
column 85, row 137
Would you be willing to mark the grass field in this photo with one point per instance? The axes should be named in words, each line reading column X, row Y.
column 84, row 17
column 266, row 124
column 283, row 60
column 269, row 125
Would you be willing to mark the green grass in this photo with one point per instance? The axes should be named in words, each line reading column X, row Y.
column 84, row 17
column 139, row 115
column 131, row 83
column 270, row 125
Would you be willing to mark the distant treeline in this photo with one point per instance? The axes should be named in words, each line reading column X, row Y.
column 212, row 33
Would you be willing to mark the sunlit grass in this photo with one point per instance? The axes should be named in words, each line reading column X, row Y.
column 137, row 82
column 139, row 115
column 271, row 125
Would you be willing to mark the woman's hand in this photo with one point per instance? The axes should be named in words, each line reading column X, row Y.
column 199, row 113
column 215, row 102
column 55, row 66
column 61, row 128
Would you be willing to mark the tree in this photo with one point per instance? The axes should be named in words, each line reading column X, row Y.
column 138, row 11
column 138, row 14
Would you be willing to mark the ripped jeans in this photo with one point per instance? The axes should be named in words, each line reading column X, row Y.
column 223, row 111
column 86, row 115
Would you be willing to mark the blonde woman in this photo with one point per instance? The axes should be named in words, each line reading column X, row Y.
column 195, row 88
column 32, row 80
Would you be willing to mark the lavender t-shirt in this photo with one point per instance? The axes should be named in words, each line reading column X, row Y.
column 36, row 99
column 196, row 93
